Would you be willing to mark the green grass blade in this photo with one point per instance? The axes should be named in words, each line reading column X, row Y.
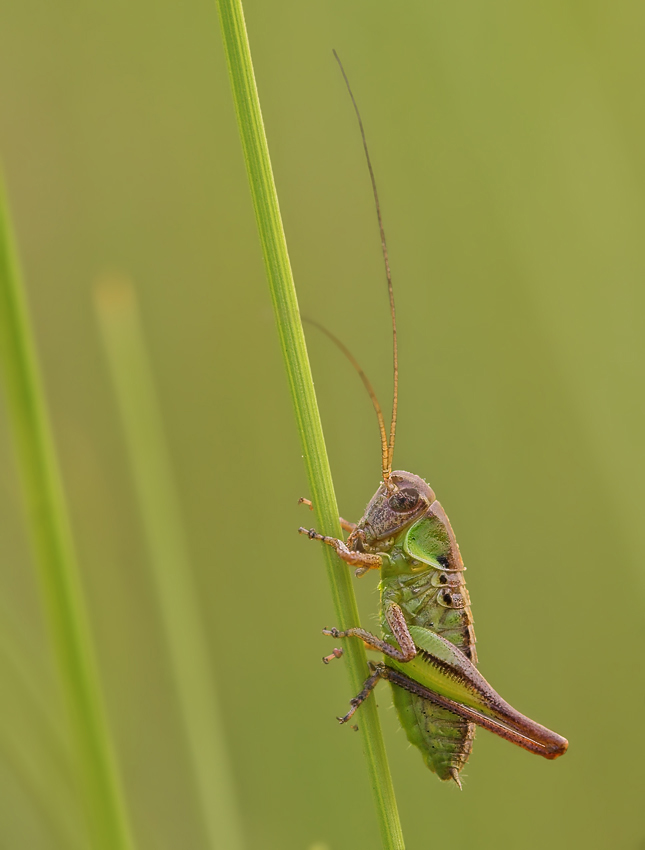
column 172, row 573
column 32, row 737
column 54, row 554
column 50, row 804
column 283, row 293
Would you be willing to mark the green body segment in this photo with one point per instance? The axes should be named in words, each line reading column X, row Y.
column 423, row 575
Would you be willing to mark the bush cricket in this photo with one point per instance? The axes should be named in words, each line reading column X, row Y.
column 428, row 640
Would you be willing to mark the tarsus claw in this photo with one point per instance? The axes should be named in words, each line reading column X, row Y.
column 335, row 653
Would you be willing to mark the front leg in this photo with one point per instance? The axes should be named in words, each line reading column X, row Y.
column 362, row 560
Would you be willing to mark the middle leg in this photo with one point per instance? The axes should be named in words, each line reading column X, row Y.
column 396, row 621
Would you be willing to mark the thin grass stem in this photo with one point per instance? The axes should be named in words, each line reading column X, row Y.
column 55, row 557
column 292, row 341
column 172, row 574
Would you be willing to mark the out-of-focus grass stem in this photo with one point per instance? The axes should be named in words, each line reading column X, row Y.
column 181, row 615
column 292, row 340
column 55, row 556
column 50, row 805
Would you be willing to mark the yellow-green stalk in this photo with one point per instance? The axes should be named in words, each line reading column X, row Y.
column 171, row 568
column 53, row 548
column 283, row 294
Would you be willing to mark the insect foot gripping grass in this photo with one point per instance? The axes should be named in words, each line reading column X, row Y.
column 428, row 640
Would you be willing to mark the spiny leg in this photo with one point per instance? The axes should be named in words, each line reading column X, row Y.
column 370, row 683
column 362, row 560
column 407, row 651
column 532, row 737
column 344, row 524
column 397, row 623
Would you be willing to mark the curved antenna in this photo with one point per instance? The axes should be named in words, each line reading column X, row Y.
column 395, row 399
column 385, row 453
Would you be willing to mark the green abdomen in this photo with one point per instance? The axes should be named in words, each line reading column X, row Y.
column 445, row 740
column 433, row 595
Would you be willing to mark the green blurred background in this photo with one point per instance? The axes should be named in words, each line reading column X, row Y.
column 507, row 139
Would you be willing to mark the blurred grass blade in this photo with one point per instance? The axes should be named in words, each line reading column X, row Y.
column 51, row 808
column 30, row 681
column 32, row 737
column 54, row 550
column 180, row 609
column 285, row 303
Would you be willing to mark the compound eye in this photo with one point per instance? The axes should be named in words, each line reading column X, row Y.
column 404, row 500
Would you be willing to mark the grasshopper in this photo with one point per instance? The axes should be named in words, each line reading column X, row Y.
column 428, row 639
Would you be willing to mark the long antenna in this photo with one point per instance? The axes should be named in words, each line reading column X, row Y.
column 385, row 454
column 388, row 274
